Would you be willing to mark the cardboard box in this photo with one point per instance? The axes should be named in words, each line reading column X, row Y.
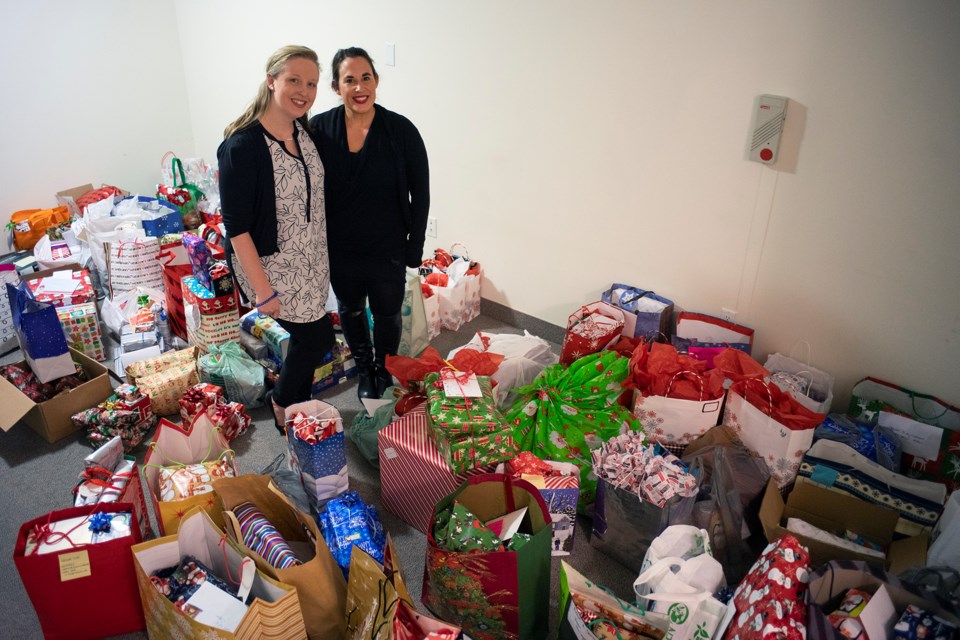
column 68, row 197
column 837, row 512
column 51, row 419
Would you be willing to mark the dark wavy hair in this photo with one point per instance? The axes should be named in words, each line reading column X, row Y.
column 343, row 54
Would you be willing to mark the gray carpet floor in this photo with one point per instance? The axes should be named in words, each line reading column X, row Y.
column 37, row 477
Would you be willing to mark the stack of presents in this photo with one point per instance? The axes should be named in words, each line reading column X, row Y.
column 745, row 508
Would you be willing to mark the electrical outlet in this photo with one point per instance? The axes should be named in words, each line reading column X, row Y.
column 432, row 227
column 728, row 314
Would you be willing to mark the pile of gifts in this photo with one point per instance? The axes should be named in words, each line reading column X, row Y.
column 20, row 376
column 208, row 398
column 126, row 413
column 210, row 300
column 465, row 424
column 72, row 293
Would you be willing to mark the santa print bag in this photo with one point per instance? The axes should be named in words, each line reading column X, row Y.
column 771, row 424
column 41, row 336
column 83, row 591
column 590, row 329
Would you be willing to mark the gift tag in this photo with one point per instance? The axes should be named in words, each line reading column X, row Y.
column 460, row 384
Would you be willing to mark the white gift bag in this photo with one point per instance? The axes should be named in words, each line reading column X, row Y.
column 676, row 422
column 808, row 385
column 431, row 308
column 8, row 334
column 133, row 263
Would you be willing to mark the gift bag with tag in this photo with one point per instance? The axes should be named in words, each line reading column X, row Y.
column 260, row 606
column 498, row 593
column 77, row 569
column 134, row 264
column 414, row 336
column 199, row 446
column 590, row 610
column 590, row 329
column 379, row 607
column 165, row 378
column 772, row 424
column 929, row 428
column 317, row 449
column 645, row 314
column 41, row 337
column 320, row 585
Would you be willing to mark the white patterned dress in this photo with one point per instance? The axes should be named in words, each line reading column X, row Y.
column 300, row 270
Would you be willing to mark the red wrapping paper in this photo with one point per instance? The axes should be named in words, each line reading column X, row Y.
column 660, row 371
column 737, row 365
column 407, row 370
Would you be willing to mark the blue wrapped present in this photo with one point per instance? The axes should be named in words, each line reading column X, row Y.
column 159, row 217
column 875, row 443
column 349, row 521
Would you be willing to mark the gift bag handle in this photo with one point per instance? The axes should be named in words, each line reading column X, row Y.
column 464, row 254
column 642, row 294
column 175, row 167
column 766, row 387
column 809, row 351
column 699, row 378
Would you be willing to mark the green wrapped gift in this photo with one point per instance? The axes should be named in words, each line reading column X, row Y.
column 567, row 411
column 465, row 453
column 457, row 529
column 457, row 417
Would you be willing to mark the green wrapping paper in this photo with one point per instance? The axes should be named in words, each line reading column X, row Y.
column 567, row 409
column 468, row 432
column 457, row 529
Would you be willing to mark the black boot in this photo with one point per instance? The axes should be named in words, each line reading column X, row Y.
column 353, row 321
column 386, row 340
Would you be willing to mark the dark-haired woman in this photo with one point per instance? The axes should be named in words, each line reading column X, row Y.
column 272, row 196
column 378, row 196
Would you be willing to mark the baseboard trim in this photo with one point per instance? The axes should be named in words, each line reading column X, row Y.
column 536, row 326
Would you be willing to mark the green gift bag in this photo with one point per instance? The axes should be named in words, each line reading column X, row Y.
column 567, row 411
column 493, row 595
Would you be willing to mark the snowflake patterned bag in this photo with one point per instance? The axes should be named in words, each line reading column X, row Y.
column 493, row 594
column 771, row 424
column 41, row 337
column 317, row 448
column 676, row 422
column 590, row 329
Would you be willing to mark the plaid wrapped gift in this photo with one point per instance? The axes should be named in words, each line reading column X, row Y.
column 81, row 326
column 52, row 289
column 266, row 328
column 198, row 253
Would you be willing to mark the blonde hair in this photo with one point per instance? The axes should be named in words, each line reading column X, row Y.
column 262, row 100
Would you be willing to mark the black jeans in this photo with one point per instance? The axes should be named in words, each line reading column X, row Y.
column 383, row 287
column 309, row 343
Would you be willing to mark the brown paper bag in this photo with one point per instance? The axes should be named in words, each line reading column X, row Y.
column 319, row 581
column 173, row 445
column 274, row 611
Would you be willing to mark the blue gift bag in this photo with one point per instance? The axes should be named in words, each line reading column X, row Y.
column 646, row 315
column 40, row 334
column 322, row 464
column 159, row 217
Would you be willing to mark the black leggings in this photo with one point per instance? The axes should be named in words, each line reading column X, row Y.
column 309, row 343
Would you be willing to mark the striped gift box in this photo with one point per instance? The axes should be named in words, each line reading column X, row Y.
column 413, row 474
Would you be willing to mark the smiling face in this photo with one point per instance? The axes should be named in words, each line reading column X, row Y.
column 357, row 85
column 293, row 90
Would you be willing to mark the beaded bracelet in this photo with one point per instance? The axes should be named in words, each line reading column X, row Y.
column 275, row 294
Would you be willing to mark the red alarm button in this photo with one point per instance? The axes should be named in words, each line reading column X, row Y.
column 766, row 155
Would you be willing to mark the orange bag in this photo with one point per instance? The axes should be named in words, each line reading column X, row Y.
column 30, row 225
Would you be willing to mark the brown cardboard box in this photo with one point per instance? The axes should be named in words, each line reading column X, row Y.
column 51, row 419
column 68, row 197
column 837, row 512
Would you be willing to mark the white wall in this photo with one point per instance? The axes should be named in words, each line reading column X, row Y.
column 576, row 144
column 94, row 93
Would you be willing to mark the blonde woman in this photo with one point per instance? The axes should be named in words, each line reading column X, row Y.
column 272, row 196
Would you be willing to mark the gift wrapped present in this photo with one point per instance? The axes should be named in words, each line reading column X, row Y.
column 221, row 278
column 110, row 476
column 81, row 326
column 916, row 623
column 461, row 405
column 64, row 288
column 198, row 399
column 559, row 484
column 478, row 451
column 413, row 473
column 317, row 449
column 230, row 418
column 127, row 413
column 198, row 253
column 182, row 481
column 266, row 328
column 347, row 522
column 165, row 378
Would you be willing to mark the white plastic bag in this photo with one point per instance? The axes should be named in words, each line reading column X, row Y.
column 117, row 311
column 43, row 252
column 944, row 551
column 808, row 385
column 692, row 610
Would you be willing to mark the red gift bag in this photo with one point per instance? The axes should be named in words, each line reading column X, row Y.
column 87, row 591
column 176, row 265
column 590, row 329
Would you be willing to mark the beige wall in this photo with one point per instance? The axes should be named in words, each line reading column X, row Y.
column 576, row 144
